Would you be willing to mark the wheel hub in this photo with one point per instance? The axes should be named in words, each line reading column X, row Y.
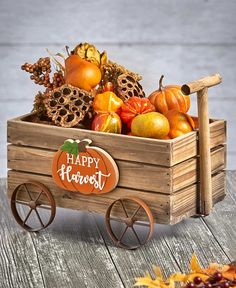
column 32, row 204
column 129, row 222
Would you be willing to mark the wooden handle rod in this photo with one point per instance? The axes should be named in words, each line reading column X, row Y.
column 206, row 203
column 201, row 87
column 202, row 83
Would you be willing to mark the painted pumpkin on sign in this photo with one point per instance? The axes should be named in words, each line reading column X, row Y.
column 83, row 168
column 169, row 97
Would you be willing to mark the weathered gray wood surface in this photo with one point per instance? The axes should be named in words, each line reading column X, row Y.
column 72, row 255
column 75, row 250
column 184, row 40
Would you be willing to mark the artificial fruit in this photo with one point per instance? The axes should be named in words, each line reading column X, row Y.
column 150, row 125
column 169, row 97
column 180, row 123
column 133, row 107
column 107, row 122
column 106, row 102
column 81, row 73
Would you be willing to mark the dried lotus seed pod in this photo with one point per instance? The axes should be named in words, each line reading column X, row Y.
column 127, row 87
column 68, row 105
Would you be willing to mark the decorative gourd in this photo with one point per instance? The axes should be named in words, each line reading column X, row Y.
column 106, row 102
column 133, row 107
column 168, row 98
column 82, row 168
column 81, row 73
column 180, row 123
column 107, row 122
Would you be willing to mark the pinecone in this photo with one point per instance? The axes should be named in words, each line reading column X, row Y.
column 39, row 106
column 67, row 106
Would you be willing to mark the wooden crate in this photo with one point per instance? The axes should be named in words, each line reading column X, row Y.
column 163, row 173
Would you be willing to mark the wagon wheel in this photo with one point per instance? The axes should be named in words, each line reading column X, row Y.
column 136, row 220
column 33, row 206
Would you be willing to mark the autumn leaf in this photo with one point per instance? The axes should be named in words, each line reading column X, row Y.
column 177, row 279
column 194, row 264
column 157, row 271
column 154, row 283
column 230, row 273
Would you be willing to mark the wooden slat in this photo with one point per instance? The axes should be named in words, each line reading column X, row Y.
column 184, row 203
column 152, row 151
column 185, row 147
column 166, row 209
column 132, row 174
column 186, row 172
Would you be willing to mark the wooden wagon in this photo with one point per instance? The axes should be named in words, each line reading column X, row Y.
column 160, row 181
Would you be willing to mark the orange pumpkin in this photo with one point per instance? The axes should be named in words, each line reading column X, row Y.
column 83, row 168
column 180, row 123
column 133, row 107
column 81, row 73
column 168, row 98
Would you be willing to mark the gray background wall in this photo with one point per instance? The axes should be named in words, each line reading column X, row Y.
column 184, row 40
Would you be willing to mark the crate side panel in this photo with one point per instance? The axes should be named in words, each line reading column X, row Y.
column 186, row 147
column 186, row 173
column 184, row 202
column 132, row 174
column 218, row 133
column 159, row 203
column 143, row 150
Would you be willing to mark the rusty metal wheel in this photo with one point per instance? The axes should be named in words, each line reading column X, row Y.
column 33, row 206
column 129, row 222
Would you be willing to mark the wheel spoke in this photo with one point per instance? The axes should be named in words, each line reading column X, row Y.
column 26, row 189
column 27, row 216
column 136, row 235
column 122, row 204
column 37, row 198
column 40, row 220
column 122, row 235
column 141, row 224
column 136, row 211
column 122, row 220
column 40, row 206
column 21, row 202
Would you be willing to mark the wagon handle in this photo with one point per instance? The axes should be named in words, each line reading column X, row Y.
column 201, row 87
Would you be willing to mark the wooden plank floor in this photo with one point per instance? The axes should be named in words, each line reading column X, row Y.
column 75, row 251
